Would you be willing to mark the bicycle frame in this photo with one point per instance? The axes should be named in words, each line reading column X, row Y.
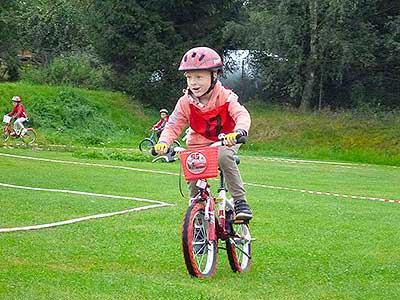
column 153, row 136
column 217, row 224
column 8, row 127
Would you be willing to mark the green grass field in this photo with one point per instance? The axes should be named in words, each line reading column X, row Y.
column 308, row 246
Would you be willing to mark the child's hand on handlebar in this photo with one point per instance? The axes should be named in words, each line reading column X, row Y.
column 161, row 148
column 231, row 138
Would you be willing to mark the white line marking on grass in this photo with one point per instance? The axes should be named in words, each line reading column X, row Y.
column 267, row 158
column 79, row 193
column 88, row 164
column 176, row 174
column 71, row 221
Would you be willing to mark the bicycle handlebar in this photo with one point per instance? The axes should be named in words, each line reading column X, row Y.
column 240, row 139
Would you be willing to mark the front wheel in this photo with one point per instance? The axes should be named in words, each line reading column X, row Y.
column 238, row 248
column 146, row 145
column 29, row 137
column 176, row 144
column 5, row 134
column 199, row 252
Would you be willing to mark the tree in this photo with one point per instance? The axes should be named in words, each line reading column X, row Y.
column 8, row 45
column 52, row 27
column 312, row 57
column 324, row 52
column 144, row 40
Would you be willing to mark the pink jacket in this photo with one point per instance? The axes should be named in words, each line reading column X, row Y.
column 180, row 117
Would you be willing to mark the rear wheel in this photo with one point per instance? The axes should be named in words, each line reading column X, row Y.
column 29, row 137
column 199, row 252
column 146, row 145
column 5, row 134
column 238, row 248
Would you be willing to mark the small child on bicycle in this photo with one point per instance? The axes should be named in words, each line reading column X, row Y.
column 209, row 109
column 18, row 113
column 159, row 127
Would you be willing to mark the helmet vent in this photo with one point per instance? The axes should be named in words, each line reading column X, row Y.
column 194, row 54
column 201, row 57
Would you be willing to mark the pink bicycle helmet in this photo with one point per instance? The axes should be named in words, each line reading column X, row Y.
column 16, row 99
column 201, row 58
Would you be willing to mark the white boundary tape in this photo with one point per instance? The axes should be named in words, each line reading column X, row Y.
column 176, row 174
column 71, row 221
column 324, row 193
column 301, row 161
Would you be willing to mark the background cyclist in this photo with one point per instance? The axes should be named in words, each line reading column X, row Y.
column 159, row 127
column 19, row 114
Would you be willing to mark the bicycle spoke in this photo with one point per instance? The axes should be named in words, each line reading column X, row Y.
column 199, row 244
column 239, row 249
column 239, row 245
column 200, row 254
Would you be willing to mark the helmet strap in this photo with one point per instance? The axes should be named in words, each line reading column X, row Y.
column 212, row 85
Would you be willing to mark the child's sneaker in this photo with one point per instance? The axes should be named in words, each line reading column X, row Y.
column 242, row 210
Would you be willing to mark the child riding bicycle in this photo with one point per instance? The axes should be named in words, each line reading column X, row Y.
column 19, row 114
column 209, row 109
column 159, row 127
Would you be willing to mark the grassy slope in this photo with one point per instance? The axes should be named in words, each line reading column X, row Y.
column 68, row 115
column 369, row 138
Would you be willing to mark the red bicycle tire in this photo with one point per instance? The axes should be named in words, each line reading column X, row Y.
column 239, row 260
column 34, row 136
column 188, row 235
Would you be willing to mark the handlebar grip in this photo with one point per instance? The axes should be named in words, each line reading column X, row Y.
column 241, row 139
column 169, row 151
column 153, row 152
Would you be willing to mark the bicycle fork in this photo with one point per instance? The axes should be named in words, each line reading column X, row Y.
column 209, row 208
column 210, row 218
